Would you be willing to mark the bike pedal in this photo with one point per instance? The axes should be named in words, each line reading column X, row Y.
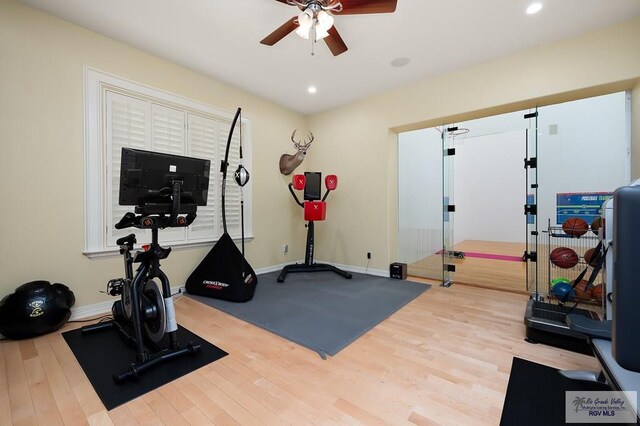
column 114, row 286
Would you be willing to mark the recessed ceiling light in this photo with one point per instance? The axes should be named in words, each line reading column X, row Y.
column 534, row 8
column 312, row 89
column 399, row 62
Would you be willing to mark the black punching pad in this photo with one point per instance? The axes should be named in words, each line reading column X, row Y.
column 35, row 308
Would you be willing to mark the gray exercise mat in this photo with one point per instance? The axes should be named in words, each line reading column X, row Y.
column 321, row 311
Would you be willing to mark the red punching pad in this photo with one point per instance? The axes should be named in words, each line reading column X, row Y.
column 315, row 210
column 331, row 182
column 298, row 182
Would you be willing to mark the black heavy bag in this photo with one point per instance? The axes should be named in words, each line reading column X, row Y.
column 219, row 275
column 35, row 308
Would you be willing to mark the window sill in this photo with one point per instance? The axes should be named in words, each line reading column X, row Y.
column 107, row 253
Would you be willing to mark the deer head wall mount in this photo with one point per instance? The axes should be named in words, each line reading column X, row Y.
column 288, row 163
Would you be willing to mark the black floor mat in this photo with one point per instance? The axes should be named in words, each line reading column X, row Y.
column 536, row 395
column 104, row 353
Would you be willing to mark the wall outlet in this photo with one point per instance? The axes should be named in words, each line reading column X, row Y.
column 368, row 255
column 285, row 248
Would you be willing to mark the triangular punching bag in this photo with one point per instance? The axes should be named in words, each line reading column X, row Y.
column 219, row 275
column 224, row 273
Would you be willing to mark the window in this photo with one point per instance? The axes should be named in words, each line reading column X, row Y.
column 120, row 113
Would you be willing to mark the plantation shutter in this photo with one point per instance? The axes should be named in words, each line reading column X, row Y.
column 127, row 126
column 232, row 191
column 167, row 130
column 168, row 137
column 122, row 114
column 202, row 142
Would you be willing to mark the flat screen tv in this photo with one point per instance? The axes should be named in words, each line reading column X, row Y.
column 147, row 180
column 313, row 186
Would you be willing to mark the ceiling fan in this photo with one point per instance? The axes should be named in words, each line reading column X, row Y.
column 315, row 21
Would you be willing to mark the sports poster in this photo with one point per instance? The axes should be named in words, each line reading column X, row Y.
column 584, row 205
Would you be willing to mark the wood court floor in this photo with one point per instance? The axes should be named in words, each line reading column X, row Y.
column 442, row 359
column 486, row 273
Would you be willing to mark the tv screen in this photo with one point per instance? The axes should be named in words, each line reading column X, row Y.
column 312, row 188
column 146, row 178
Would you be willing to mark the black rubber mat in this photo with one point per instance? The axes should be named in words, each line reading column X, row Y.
column 104, row 353
column 536, row 395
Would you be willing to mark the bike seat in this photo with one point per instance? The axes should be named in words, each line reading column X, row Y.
column 128, row 240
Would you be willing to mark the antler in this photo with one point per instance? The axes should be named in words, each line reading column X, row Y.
column 299, row 145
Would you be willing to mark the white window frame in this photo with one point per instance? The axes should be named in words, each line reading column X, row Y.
column 96, row 85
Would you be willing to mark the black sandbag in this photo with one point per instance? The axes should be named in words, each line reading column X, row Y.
column 219, row 275
column 34, row 309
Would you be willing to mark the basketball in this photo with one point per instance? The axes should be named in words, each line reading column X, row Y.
column 564, row 257
column 563, row 291
column 596, row 224
column 596, row 292
column 575, row 227
column 590, row 257
column 581, row 290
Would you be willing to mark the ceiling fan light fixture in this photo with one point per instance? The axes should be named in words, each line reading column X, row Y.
column 316, row 20
column 321, row 34
column 325, row 21
column 305, row 22
column 302, row 32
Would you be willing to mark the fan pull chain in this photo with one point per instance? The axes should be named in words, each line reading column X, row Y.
column 313, row 37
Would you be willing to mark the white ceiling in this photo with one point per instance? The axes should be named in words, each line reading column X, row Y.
column 220, row 38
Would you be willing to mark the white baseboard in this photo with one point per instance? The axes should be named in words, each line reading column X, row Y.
column 275, row 268
column 361, row 270
column 103, row 308
column 89, row 311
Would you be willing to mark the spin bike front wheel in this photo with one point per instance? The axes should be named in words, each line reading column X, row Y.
column 156, row 324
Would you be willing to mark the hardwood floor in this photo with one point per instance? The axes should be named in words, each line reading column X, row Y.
column 442, row 359
column 485, row 273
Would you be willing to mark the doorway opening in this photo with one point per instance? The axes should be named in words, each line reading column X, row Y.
column 473, row 204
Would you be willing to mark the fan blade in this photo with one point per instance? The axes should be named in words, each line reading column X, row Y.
column 335, row 42
column 284, row 30
column 293, row 4
column 355, row 7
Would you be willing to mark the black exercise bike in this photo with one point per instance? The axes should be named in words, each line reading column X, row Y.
column 145, row 315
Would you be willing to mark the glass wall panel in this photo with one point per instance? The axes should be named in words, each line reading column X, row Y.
column 420, row 202
column 506, row 188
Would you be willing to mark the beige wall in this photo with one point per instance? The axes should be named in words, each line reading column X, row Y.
column 356, row 141
column 41, row 118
